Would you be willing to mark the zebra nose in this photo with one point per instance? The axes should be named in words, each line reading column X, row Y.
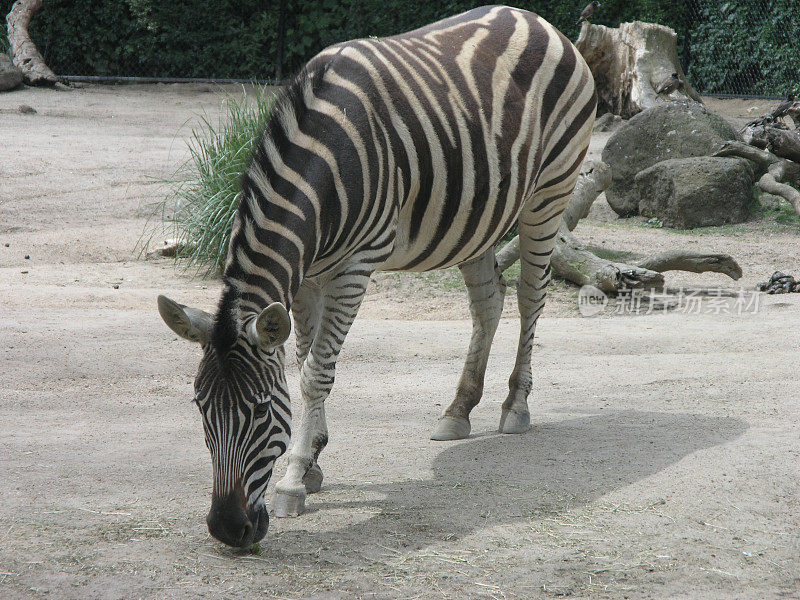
column 229, row 523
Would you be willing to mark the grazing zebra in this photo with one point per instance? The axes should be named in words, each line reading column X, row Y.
column 413, row 152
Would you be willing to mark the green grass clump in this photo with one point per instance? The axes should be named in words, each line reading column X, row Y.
column 206, row 188
column 782, row 213
column 785, row 215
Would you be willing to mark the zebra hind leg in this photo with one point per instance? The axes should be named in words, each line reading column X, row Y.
column 486, row 289
column 537, row 237
column 307, row 311
column 341, row 299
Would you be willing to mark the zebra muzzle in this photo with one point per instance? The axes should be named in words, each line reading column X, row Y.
column 230, row 523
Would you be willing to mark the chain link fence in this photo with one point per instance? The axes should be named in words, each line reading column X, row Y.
column 740, row 47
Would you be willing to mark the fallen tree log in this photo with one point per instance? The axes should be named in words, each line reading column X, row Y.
column 774, row 171
column 23, row 51
column 630, row 63
column 783, row 143
column 768, row 134
column 572, row 261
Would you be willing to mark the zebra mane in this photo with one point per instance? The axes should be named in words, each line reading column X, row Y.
column 290, row 98
column 226, row 323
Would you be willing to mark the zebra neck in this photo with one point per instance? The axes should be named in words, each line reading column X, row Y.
column 257, row 279
column 267, row 258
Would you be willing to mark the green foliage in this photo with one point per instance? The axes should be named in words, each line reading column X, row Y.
column 782, row 213
column 759, row 41
column 206, row 189
column 181, row 38
column 738, row 46
column 785, row 215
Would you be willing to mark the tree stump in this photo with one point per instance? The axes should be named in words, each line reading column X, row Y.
column 630, row 63
column 25, row 55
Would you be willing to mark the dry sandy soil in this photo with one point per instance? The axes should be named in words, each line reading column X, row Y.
column 662, row 462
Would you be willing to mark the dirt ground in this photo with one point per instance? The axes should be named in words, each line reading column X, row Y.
column 662, row 462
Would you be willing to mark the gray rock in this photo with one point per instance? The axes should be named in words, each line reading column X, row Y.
column 10, row 76
column 697, row 192
column 608, row 122
column 674, row 130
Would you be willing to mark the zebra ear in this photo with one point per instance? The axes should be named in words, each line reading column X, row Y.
column 271, row 328
column 192, row 324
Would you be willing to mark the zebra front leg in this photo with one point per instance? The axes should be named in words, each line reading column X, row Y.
column 486, row 289
column 341, row 298
column 307, row 311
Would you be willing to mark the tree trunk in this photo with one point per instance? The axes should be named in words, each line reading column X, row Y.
column 630, row 63
column 25, row 55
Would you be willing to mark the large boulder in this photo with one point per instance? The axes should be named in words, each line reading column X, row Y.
column 10, row 76
column 697, row 192
column 674, row 130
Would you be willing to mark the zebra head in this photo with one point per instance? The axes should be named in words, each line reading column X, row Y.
column 242, row 395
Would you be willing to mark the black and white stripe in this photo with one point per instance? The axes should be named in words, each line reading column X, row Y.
column 414, row 152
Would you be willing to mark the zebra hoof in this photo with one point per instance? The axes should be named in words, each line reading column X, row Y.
column 512, row 421
column 288, row 505
column 313, row 479
column 451, row 428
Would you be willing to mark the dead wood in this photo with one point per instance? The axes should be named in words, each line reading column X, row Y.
column 774, row 170
column 768, row 134
column 24, row 53
column 571, row 261
column 784, row 143
column 694, row 262
column 630, row 63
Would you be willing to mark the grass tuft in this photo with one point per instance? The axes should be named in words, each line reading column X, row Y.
column 205, row 190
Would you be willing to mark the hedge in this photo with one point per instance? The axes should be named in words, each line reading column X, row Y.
column 744, row 46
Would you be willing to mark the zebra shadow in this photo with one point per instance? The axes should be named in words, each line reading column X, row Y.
column 496, row 479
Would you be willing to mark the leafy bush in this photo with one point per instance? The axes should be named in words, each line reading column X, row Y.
column 239, row 38
column 760, row 56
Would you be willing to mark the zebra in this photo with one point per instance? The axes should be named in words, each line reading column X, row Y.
column 407, row 153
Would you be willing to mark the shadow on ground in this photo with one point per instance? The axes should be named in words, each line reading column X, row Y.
column 499, row 479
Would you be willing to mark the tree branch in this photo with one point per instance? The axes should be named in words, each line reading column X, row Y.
column 694, row 262
column 571, row 261
column 770, row 183
column 773, row 170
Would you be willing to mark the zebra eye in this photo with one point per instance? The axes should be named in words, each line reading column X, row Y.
column 261, row 409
